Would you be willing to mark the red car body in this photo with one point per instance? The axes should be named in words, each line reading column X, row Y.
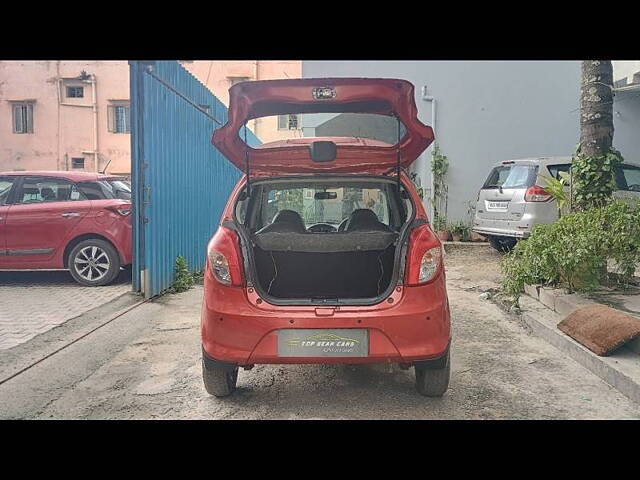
column 238, row 326
column 39, row 235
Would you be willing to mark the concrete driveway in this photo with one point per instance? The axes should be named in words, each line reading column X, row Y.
column 34, row 302
column 146, row 364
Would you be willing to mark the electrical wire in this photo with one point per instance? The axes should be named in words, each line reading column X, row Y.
column 381, row 271
column 276, row 271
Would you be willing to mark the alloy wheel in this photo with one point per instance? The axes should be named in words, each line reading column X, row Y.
column 92, row 263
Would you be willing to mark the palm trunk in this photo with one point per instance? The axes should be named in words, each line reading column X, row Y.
column 596, row 107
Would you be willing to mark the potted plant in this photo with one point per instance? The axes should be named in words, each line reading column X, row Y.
column 440, row 227
column 458, row 230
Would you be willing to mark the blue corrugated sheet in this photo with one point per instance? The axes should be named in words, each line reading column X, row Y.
column 181, row 182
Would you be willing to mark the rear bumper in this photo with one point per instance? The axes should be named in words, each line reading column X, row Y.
column 501, row 232
column 238, row 331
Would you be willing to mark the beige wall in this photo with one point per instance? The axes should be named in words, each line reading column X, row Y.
column 217, row 75
column 62, row 131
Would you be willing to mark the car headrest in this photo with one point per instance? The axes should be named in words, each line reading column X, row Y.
column 364, row 219
column 285, row 221
column 47, row 193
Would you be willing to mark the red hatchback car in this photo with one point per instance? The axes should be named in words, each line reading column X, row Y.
column 324, row 252
column 65, row 220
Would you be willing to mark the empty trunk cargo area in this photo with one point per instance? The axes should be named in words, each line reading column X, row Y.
column 335, row 275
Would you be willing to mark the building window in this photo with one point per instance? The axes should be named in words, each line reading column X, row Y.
column 77, row 162
column 22, row 117
column 234, row 80
column 289, row 122
column 75, row 92
column 119, row 118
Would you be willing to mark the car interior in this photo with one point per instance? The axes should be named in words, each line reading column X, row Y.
column 349, row 259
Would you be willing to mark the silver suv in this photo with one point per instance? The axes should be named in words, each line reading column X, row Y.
column 512, row 199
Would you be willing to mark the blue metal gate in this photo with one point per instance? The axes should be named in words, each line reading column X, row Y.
column 180, row 181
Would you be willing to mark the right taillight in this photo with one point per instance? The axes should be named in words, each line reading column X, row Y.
column 536, row 194
column 424, row 257
column 225, row 259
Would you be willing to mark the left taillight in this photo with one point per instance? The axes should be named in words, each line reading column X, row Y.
column 536, row 193
column 225, row 259
column 424, row 256
column 122, row 210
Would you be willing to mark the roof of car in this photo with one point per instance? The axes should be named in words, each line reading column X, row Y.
column 539, row 160
column 73, row 176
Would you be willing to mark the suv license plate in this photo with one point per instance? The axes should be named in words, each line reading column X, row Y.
column 338, row 342
column 498, row 205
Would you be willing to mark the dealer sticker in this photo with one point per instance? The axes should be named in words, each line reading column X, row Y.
column 339, row 342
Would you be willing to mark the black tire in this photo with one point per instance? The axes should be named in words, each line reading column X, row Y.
column 503, row 244
column 107, row 265
column 433, row 382
column 219, row 381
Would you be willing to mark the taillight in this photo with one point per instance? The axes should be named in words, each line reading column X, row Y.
column 123, row 210
column 536, row 194
column 225, row 259
column 424, row 258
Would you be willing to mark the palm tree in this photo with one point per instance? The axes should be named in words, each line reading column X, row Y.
column 592, row 173
column 596, row 107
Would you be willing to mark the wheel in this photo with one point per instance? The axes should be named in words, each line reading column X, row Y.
column 94, row 262
column 218, row 380
column 433, row 382
column 503, row 244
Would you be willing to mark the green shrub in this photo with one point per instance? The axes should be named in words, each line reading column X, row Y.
column 459, row 228
column 183, row 279
column 573, row 252
column 593, row 178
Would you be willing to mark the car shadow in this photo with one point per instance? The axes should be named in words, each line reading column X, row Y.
column 57, row 277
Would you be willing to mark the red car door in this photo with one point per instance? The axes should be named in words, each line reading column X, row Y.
column 6, row 184
column 41, row 220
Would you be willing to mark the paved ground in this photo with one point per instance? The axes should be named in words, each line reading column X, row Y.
column 32, row 302
column 146, row 364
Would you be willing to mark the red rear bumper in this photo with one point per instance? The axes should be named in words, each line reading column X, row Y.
column 236, row 329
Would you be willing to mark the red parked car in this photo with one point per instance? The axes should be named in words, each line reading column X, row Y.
column 324, row 253
column 65, row 220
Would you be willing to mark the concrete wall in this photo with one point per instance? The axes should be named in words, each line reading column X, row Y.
column 487, row 111
column 626, row 124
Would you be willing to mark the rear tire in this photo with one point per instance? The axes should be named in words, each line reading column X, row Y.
column 503, row 244
column 219, row 381
column 433, row 382
column 94, row 262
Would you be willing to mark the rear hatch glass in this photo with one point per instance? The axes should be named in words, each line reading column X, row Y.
column 511, row 176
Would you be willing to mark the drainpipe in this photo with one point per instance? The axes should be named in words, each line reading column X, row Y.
column 94, row 107
column 429, row 98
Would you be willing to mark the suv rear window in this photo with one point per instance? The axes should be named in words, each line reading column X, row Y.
column 555, row 170
column 511, row 176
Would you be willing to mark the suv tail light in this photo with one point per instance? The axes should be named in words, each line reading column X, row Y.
column 424, row 257
column 536, row 194
column 123, row 210
column 225, row 259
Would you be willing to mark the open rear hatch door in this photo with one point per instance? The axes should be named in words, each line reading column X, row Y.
column 390, row 97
